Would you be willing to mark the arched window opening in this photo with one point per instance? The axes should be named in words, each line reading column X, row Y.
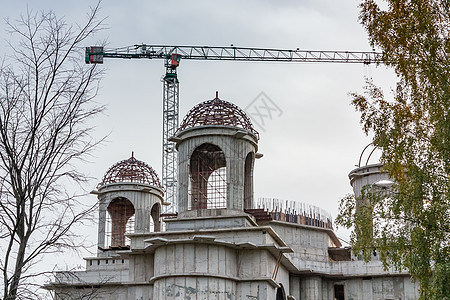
column 281, row 294
column 155, row 221
column 119, row 221
column 208, row 185
column 248, row 181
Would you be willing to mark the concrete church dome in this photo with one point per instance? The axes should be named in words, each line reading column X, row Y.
column 133, row 171
column 217, row 112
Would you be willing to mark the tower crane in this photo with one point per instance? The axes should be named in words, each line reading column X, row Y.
column 172, row 56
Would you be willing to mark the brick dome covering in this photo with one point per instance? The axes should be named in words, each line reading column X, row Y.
column 131, row 170
column 217, row 112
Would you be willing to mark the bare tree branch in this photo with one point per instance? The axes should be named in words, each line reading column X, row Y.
column 46, row 102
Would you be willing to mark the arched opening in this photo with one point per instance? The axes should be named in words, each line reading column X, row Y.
column 155, row 221
column 281, row 294
column 120, row 220
column 208, row 184
column 248, row 181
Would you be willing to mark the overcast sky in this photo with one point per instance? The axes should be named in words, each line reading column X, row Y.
column 308, row 150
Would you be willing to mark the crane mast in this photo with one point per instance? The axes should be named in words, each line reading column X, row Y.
column 171, row 97
column 172, row 55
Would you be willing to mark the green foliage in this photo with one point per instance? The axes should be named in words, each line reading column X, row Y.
column 410, row 226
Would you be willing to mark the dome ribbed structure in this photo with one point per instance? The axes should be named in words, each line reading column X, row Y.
column 131, row 170
column 217, row 112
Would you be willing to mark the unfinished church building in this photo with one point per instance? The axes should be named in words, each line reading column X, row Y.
column 221, row 244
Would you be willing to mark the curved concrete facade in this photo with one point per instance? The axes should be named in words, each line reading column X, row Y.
column 200, row 267
column 366, row 175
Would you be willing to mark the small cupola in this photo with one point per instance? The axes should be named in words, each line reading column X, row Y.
column 130, row 198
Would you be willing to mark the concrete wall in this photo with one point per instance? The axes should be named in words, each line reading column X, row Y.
column 194, row 288
column 209, row 271
column 260, row 264
column 98, row 272
column 306, row 287
column 106, row 263
column 195, row 271
column 308, row 243
column 396, row 287
column 116, row 292
column 256, row 290
column 207, row 259
column 98, row 283
column 140, row 292
column 141, row 268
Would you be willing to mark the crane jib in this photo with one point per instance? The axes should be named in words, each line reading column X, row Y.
column 97, row 53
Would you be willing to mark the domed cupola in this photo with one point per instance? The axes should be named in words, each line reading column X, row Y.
column 130, row 198
column 130, row 171
column 216, row 145
column 217, row 112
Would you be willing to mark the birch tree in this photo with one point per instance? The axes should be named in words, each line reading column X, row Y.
column 409, row 226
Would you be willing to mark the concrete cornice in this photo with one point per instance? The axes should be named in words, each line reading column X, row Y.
column 210, row 130
column 267, row 229
column 156, row 242
column 272, row 282
column 129, row 187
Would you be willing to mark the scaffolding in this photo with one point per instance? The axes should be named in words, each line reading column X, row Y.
column 120, row 220
column 208, row 184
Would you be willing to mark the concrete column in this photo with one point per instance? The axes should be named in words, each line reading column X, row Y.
column 101, row 226
column 311, row 288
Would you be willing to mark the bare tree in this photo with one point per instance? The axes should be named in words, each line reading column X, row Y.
column 46, row 101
